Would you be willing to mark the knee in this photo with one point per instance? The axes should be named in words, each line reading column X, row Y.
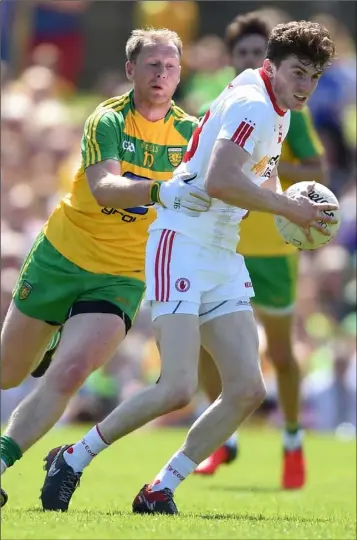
column 281, row 357
column 249, row 396
column 178, row 394
column 68, row 374
column 9, row 379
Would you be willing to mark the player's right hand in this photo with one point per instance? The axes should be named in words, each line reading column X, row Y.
column 180, row 195
column 306, row 213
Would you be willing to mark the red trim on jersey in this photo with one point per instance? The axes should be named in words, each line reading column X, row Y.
column 162, row 266
column 242, row 133
column 270, row 91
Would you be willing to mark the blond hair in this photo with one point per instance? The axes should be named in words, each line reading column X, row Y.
column 141, row 37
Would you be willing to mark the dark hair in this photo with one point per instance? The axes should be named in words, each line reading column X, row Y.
column 308, row 41
column 244, row 25
column 141, row 37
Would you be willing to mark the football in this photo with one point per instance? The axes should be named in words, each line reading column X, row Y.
column 293, row 234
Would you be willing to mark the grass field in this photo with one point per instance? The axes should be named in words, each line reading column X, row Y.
column 242, row 501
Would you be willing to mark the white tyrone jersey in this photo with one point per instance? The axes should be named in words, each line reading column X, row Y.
column 247, row 114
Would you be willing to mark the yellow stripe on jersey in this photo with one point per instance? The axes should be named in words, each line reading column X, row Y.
column 94, row 154
column 95, row 122
column 156, row 133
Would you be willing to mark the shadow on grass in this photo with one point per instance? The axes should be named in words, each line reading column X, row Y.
column 214, row 516
column 261, row 517
column 248, row 489
column 82, row 512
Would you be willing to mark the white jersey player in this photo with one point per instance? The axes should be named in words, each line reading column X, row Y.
column 199, row 263
column 197, row 285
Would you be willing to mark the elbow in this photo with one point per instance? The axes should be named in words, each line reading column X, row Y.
column 214, row 190
column 99, row 196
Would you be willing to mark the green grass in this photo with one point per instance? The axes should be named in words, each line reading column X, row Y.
column 241, row 501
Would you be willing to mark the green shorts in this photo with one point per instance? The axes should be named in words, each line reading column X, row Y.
column 274, row 280
column 52, row 289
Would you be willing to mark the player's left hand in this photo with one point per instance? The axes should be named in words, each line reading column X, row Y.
column 178, row 194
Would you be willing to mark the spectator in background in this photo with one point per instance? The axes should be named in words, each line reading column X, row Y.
column 60, row 23
column 181, row 17
column 26, row 25
column 336, row 96
column 210, row 72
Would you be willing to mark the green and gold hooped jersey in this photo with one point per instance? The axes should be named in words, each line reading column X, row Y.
column 112, row 240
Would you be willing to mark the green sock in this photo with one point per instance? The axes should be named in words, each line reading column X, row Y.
column 10, row 451
column 292, row 428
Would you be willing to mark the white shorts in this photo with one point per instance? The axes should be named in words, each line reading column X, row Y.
column 184, row 276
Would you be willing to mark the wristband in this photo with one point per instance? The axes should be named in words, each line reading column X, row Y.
column 154, row 192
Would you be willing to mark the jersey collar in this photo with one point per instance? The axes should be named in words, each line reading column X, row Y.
column 133, row 110
column 269, row 89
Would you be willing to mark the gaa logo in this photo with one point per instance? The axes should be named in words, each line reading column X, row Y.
column 182, row 285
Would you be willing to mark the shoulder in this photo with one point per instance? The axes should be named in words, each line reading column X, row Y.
column 109, row 115
column 183, row 122
column 181, row 116
column 251, row 98
column 110, row 112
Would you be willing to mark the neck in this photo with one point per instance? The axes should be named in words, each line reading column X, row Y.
column 272, row 94
column 151, row 111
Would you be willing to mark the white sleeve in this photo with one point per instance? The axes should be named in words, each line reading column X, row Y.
column 243, row 122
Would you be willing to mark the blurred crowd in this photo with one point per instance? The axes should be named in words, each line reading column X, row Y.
column 42, row 116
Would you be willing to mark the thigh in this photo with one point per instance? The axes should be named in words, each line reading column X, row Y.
column 278, row 331
column 178, row 340
column 232, row 340
column 117, row 295
column 274, row 280
column 88, row 339
column 23, row 341
column 208, row 375
column 47, row 285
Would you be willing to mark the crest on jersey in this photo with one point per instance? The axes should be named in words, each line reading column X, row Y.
column 175, row 155
column 182, row 285
column 25, row 290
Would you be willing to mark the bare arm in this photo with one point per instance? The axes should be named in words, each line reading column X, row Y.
column 226, row 181
column 308, row 169
column 109, row 188
column 273, row 183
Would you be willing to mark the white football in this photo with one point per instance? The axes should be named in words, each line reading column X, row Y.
column 293, row 234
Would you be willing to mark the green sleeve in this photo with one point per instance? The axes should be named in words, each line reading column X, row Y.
column 102, row 137
column 302, row 137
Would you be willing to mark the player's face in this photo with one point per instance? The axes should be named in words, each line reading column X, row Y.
column 293, row 83
column 249, row 52
column 156, row 72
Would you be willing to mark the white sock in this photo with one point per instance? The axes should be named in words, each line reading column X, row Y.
column 292, row 441
column 3, row 466
column 81, row 454
column 232, row 442
column 174, row 472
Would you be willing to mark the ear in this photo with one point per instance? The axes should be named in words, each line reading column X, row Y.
column 269, row 68
column 129, row 69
